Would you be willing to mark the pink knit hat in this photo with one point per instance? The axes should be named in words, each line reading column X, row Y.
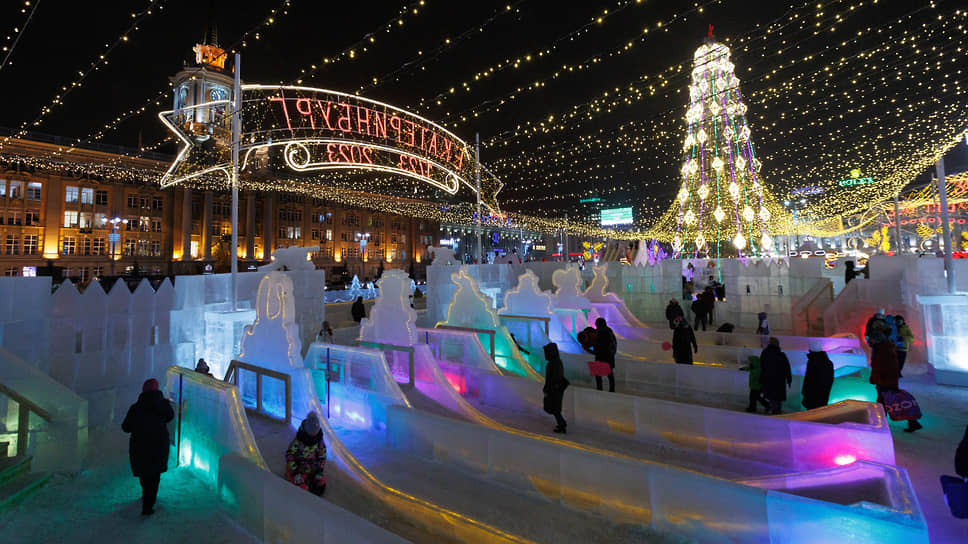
column 150, row 385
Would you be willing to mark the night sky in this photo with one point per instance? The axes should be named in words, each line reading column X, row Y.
column 637, row 158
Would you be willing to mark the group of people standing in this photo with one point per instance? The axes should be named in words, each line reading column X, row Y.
column 771, row 376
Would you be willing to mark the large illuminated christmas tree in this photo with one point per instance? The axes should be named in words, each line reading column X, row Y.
column 722, row 206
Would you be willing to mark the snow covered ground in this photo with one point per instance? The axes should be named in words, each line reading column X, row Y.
column 930, row 452
column 104, row 505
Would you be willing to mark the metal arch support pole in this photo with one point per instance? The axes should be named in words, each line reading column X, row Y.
column 897, row 223
column 477, row 160
column 236, row 121
column 949, row 265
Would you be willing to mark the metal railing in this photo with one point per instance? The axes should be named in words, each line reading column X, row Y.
column 471, row 329
column 24, row 407
column 232, row 376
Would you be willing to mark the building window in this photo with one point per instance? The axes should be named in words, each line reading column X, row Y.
column 69, row 245
column 33, row 191
column 137, row 201
column 144, row 224
column 403, row 238
column 101, row 198
column 84, row 246
column 329, row 235
column 13, row 217
column 194, row 249
column 3, row 187
column 13, row 271
column 83, row 274
column 87, row 195
column 13, row 244
column 144, row 248
column 157, row 203
column 30, row 244
column 352, row 253
column 85, row 220
column 32, row 218
column 315, row 234
column 130, row 247
column 155, row 248
column 70, row 220
column 100, row 221
column 16, row 188
column 156, row 225
column 97, row 270
column 70, row 194
column 97, row 248
column 344, row 237
column 393, row 238
column 327, row 252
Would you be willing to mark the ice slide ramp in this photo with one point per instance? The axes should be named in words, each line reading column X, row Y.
column 669, row 500
column 215, row 439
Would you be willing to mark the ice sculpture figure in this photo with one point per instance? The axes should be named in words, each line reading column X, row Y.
column 443, row 255
column 567, row 294
column 470, row 307
column 391, row 320
column 527, row 298
column 291, row 258
column 274, row 332
column 596, row 292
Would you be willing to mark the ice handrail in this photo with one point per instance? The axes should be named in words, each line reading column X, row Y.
column 490, row 332
column 232, row 376
column 514, row 317
column 395, row 347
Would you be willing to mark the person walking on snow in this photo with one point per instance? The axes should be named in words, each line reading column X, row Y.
column 147, row 421
column 604, row 349
column 554, row 387
column 358, row 311
column 756, row 386
column 306, row 457
column 876, row 329
column 683, row 343
column 699, row 309
column 709, row 300
column 819, row 377
column 673, row 310
column 776, row 376
column 903, row 341
column 884, row 373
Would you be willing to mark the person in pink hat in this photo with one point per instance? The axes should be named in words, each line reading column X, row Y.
column 147, row 422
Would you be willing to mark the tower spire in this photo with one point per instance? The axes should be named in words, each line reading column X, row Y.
column 211, row 30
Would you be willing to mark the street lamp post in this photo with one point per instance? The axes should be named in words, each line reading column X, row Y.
column 114, row 237
column 363, row 237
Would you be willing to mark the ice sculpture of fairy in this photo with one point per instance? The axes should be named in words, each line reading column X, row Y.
column 273, row 342
column 391, row 320
column 470, row 307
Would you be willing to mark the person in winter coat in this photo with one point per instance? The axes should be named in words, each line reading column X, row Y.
column 877, row 329
column 775, row 376
column 673, row 310
column 884, row 374
column 358, row 311
column 756, row 388
column 849, row 272
column 961, row 457
column 819, row 377
column 763, row 328
column 147, row 421
column 682, row 340
column 699, row 309
column 202, row 368
column 903, row 341
column 325, row 334
column 306, row 457
column 605, row 347
column 555, row 385
column 709, row 300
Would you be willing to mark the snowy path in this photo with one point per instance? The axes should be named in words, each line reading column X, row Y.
column 930, row 452
column 104, row 505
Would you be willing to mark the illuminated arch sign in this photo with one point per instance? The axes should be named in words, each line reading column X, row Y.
column 319, row 129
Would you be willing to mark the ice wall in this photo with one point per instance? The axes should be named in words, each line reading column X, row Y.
column 946, row 336
column 567, row 294
column 274, row 510
column 391, row 320
column 527, row 298
column 210, row 421
column 58, row 443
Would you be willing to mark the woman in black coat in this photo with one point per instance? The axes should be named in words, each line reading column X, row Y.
column 357, row 310
column 555, row 385
column 147, row 422
column 818, row 379
column 683, row 343
column 775, row 376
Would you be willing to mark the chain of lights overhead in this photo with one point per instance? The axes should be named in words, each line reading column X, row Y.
column 421, row 60
column 362, row 45
column 156, row 100
column 153, row 7
column 18, row 31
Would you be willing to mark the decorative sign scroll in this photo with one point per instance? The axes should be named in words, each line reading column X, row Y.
column 318, row 129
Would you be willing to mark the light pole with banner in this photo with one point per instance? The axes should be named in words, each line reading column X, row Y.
column 363, row 237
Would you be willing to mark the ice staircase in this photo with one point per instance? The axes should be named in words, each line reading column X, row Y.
column 17, row 482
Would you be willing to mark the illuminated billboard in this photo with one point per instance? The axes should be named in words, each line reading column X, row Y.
column 616, row 216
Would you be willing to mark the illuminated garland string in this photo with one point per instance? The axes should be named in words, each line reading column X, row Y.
column 241, row 43
column 360, row 46
column 95, row 65
column 19, row 31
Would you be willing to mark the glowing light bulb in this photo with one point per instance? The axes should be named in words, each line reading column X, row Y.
column 719, row 214
column 748, row 214
column 703, row 191
column 845, row 459
column 764, row 214
column 677, row 243
column 715, row 108
column 683, row 195
column 690, row 218
column 733, row 190
column 739, row 241
column 701, row 136
column 718, row 164
column 766, row 242
column 740, row 162
column 728, row 133
column 700, row 241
